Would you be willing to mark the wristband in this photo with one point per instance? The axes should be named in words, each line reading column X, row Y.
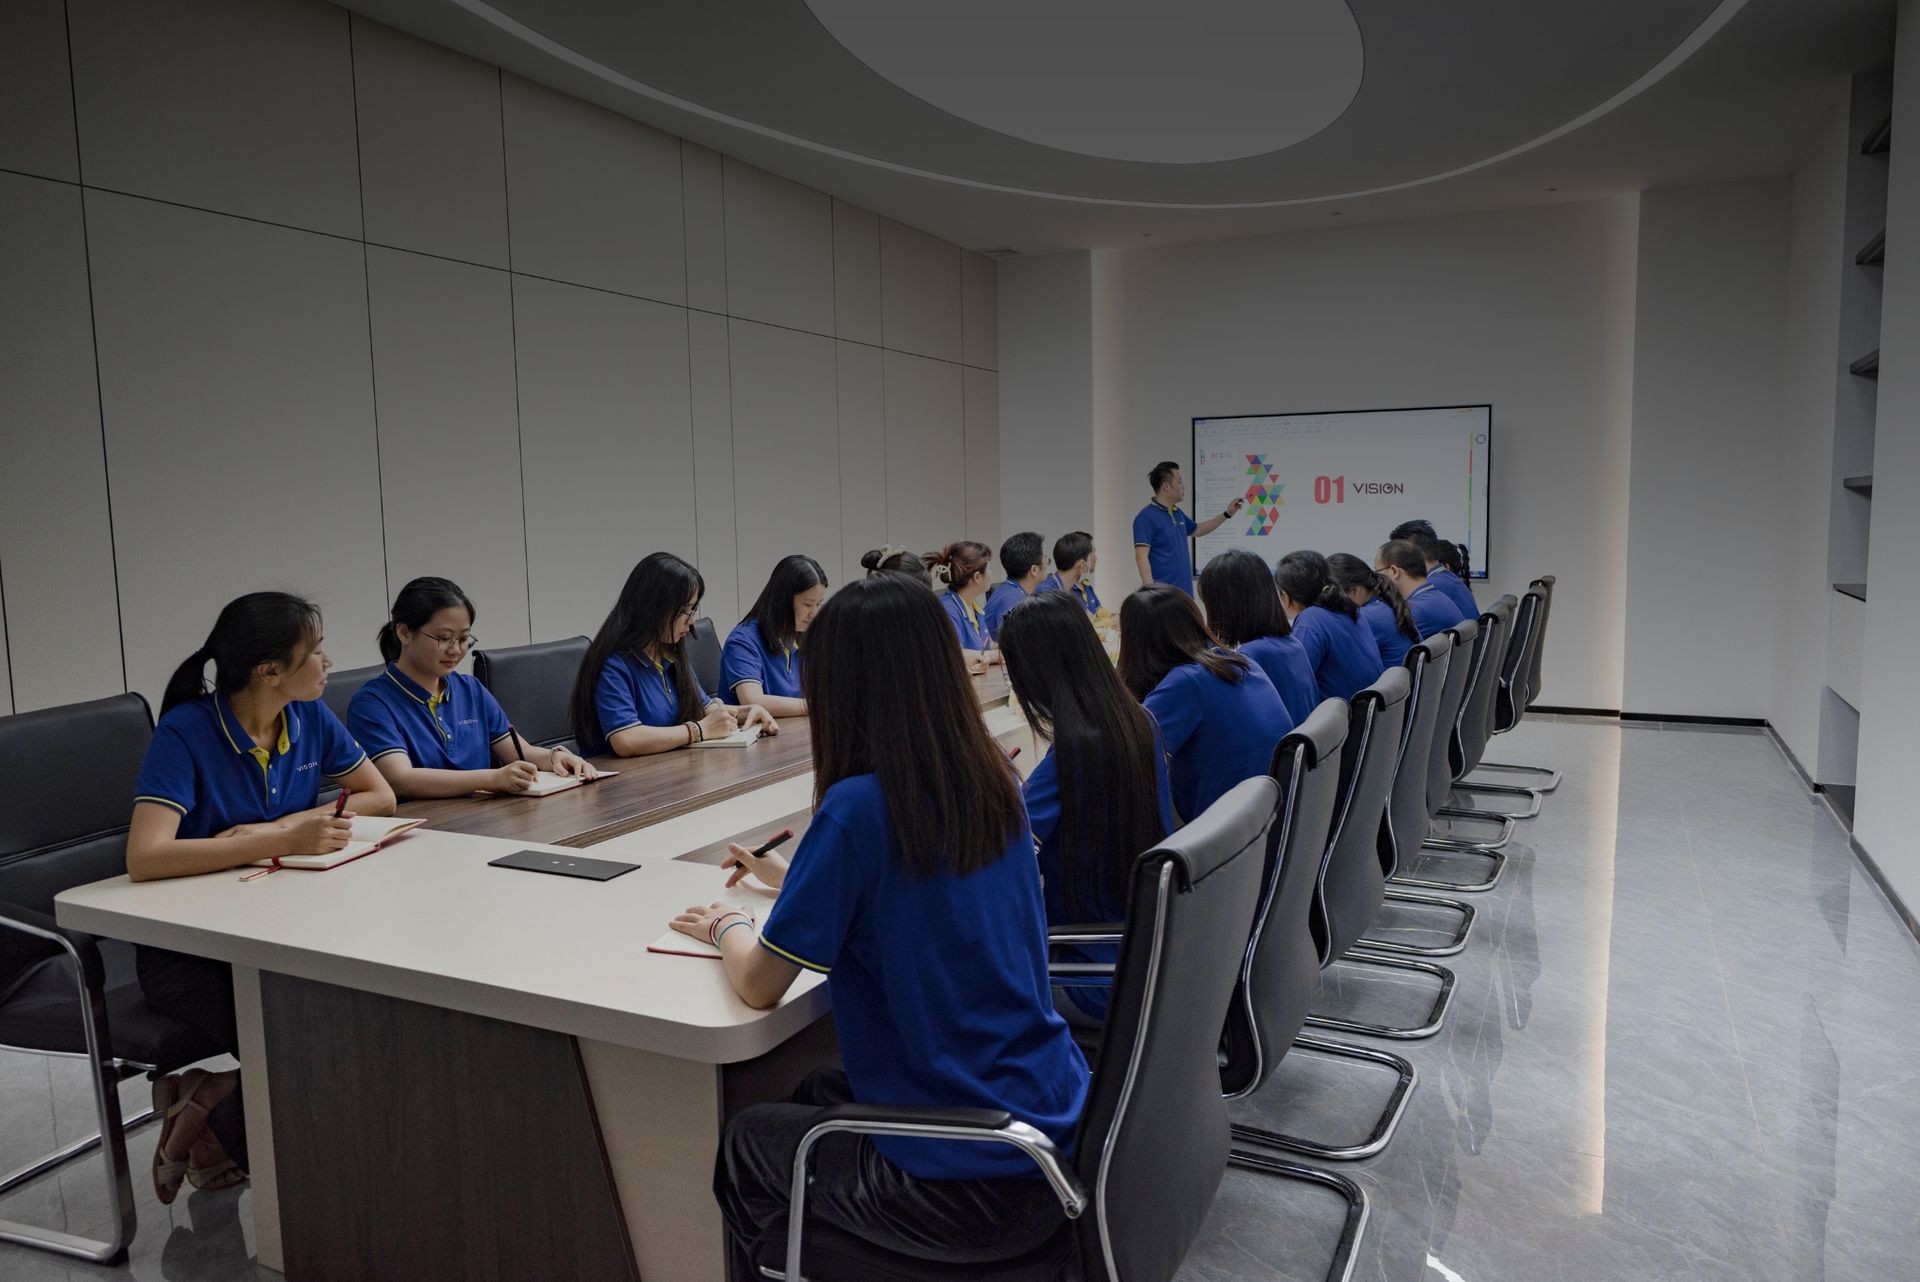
column 722, row 932
column 713, row 934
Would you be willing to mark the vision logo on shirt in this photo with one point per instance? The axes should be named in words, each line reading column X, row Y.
column 305, row 766
column 1263, row 495
column 467, row 721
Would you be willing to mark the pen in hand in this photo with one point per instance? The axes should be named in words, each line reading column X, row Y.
column 739, row 865
column 340, row 806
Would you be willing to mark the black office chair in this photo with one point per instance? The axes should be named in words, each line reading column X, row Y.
column 703, row 652
column 343, row 685
column 1477, row 714
column 62, row 992
column 1280, row 970
column 1152, row 1145
column 534, row 684
column 1468, row 636
column 1518, row 690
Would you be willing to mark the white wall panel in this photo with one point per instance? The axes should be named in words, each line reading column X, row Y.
column 241, row 106
column 703, row 197
column 926, row 453
column 786, row 449
column 36, row 93
column 237, row 390
column 430, row 152
column 606, row 439
column 779, row 251
column 863, row 454
column 594, row 198
column 449, row 437
column 981, row 403
column 980, row 311
column 856, row 273
column 919, row 292
column 56, row 551
column 714, row 491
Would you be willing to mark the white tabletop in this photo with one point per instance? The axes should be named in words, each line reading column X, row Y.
column 427, row 920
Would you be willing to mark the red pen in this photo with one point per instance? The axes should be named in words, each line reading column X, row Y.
column 340, row 806
column 774, row 842
column 1013, row 754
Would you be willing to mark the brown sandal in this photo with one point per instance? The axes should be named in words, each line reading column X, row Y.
column 209, row 1168
column 173, row 1100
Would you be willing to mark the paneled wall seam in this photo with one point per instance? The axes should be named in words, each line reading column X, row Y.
column 6, row 641
column 733, row 461
column 880, row 284
column 513, row 330
column 366, row 279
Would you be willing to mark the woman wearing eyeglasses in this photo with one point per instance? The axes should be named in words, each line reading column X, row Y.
column 637, row 693
column 432, row 731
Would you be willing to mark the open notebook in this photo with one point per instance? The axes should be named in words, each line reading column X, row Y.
column 738, row 739
column 753, row 899
column 370, row 832
column 549, row 783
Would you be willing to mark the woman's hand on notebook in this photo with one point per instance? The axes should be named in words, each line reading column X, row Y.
column 567, row 765
column 317, row 832
column 755, row 715
column 515, row 776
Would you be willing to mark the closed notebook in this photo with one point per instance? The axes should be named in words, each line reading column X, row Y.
column 549, row 783
column 738, row 739
column 370, row 832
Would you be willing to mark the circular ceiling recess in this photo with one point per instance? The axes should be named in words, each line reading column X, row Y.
column 1138, row 80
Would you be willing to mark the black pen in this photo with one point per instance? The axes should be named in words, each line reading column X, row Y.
column 519, row 755
column 774, row 842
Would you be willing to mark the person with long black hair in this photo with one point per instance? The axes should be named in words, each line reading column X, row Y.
column 1380, row 604
column 1402, row 565
column 637, row 693
column 914, row 891
column 1218, row 714
column 760, row 666
column 434, row 731
column 1100, row 797
column 1243, row 609
column 1341, row 647
column 231, row 776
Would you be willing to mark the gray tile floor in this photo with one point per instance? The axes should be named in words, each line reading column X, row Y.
column 1685, row 1044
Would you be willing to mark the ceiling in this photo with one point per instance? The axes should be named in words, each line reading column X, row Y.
column 1055, row 124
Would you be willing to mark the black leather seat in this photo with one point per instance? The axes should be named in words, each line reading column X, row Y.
column 1152, row 1145
column 1518, row 687
column 342, row 685
column 534, row 684
column 1478, row 714
column 59, row 830
column 704, row 653
column 1473, row 638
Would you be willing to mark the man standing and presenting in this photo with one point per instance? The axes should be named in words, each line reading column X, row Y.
column 1161, row 531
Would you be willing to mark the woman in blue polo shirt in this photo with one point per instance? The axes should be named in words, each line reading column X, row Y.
column 432, row 731
column 1341, row 648
column 1401, row 564
column 1381, row 607
column 1073, row 562
column 637, row 693
column 760, row 666
column 962, row 568
column 1100, row 797
column 1243, row 610
column 1218, row 714
column 232, row 776
column 915, row 892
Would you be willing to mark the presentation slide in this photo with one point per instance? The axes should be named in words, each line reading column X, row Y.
column 1340, row 482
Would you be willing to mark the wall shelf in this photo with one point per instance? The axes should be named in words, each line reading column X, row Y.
column 1874, row 252
column 1858, row 591
column 1879, row 138
column 1859, row 484
column 1867, row 366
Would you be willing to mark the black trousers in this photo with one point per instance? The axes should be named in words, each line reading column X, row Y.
column 199, row 992
column 857, row 1190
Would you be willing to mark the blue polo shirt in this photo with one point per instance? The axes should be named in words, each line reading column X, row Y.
column 1285, row 662
column 939, row 984
column 1163, row 532
column 633, row 690
column 1433, row 610
column 1043, row 813
column 1456, row 589
column 1003, row 597
column 202, row 764
column 747, row 657
column 1218, row 732
column 1081, row 591
column 453, row 730
column 969, row 623
column 1379, row 618
column 1345, row 659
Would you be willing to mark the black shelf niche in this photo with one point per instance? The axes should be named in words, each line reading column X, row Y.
column 1879, row 140
column 1867, row 366
column 1859, row 484
column 1858, row 591
column 1874, row 252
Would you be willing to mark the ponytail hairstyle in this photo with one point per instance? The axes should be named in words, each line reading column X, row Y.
column 1103, row 747
column 772, row 610
column 1349, row 571
column 1304, row 576
column 1160, row 629
column 897, row 561
column 1242, row 603
column 658, row 588
column 256, row 629
column 418, row 602
column 955, row 564
column 1454, row 557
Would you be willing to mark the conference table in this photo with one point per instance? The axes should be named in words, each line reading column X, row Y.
column 457, row 1070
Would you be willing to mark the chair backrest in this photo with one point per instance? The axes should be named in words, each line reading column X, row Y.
column 60, row 829
column 1405, row 822
column 534, row 684
column 1545, row 583
column 343, row 685
column 1281, row 969
column 1510, row 704
column 1153, row 1138
column 703, row 652
column 1352, row 883
column 1475, row 724
column 1466, row 644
